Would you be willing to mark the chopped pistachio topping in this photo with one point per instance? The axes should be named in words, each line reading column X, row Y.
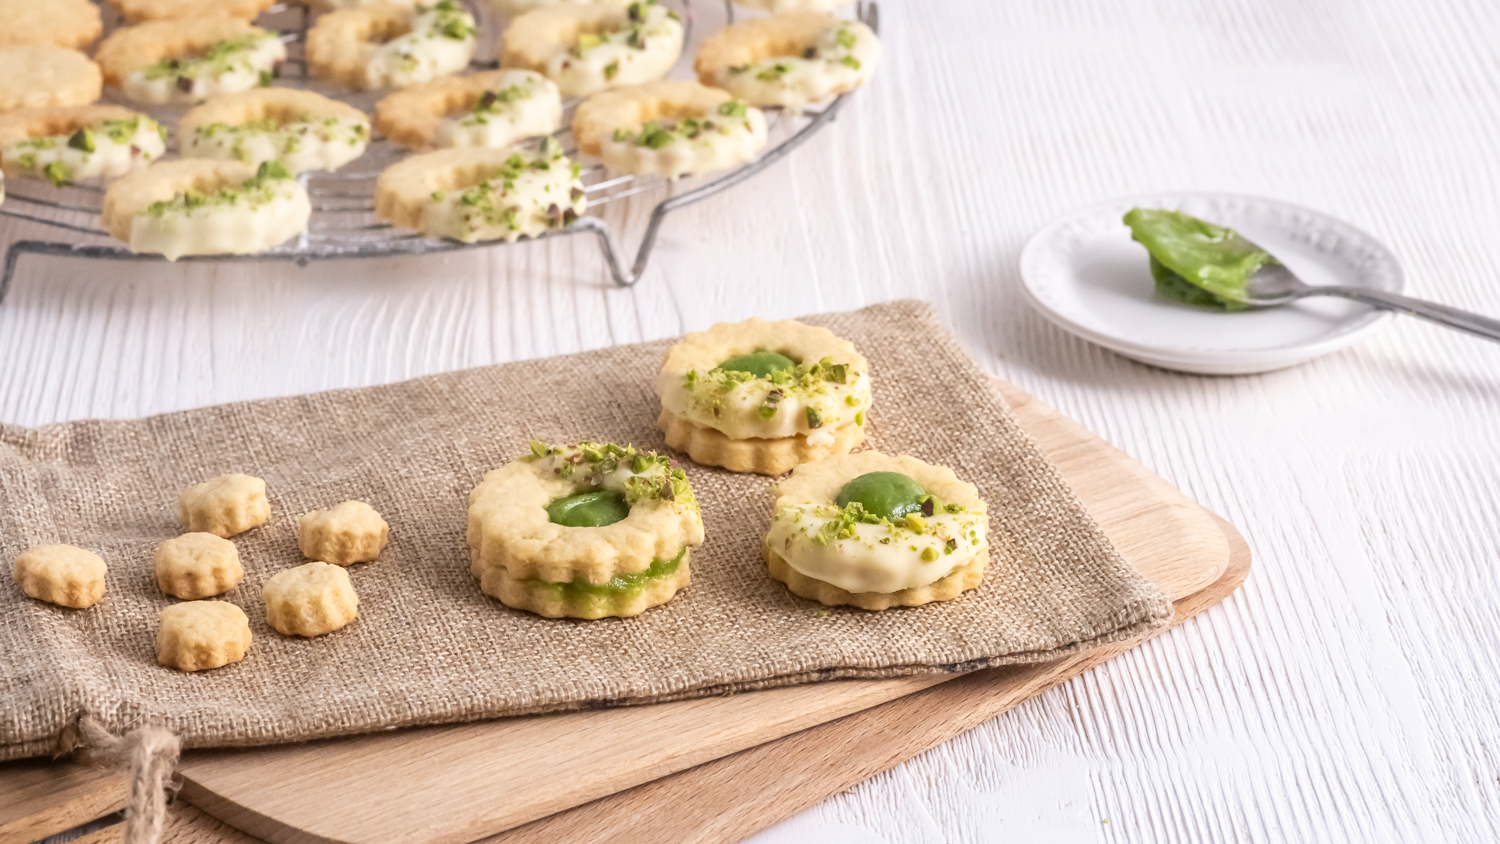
column 252, row 192
column 649, row 476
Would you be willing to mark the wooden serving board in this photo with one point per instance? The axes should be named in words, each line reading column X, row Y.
column 591, row 775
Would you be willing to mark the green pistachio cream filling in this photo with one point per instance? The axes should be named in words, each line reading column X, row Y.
column 758, row 364
column 621, row 586
column 886, row 495
column 594, row 508
column 1196, row 262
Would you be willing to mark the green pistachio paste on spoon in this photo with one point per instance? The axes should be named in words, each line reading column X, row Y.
column 1196, row 262
column 887, row 495
column 589, row 509
column 759, row 364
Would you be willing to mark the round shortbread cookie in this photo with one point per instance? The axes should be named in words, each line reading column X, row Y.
column 41, row 76
column 302, row 129
column 670, row 127
column 587, row 48
column 875, row 558
column 225, row 505
column 60, row 23
column 473, row 193
column 200, row 635
column 197, row 565
column 350, row 533
column 708, row 447
column 310, row 600
column 68, row 143
column 510, row 525
column 789, row 60
column 823, row 385
column 385, row 45
column 186, row 61
column 60, row 574
column 493, row 109
column 204, row 207
column 579, row 600
column 136, row 11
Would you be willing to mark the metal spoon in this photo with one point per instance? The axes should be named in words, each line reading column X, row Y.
column 1273, row 284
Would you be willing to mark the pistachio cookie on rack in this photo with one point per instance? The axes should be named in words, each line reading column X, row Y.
column 875, row 531
column 583, row 531
column 43, row 76
column 136, row 11
column 303, row 130
column 70, row 143
column 202, row 207
column 789, row 60
column 472, row 193
column 587, row 48
column 763, row 397
column 386, row 45
column 670, row 127
column 190, row 60
column 493, row 109
column 61, row 23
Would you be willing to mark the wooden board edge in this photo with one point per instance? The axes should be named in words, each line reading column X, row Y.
column 731, row 798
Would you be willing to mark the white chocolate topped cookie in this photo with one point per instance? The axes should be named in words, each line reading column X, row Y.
column 352, row 532
column 587, row 48
column 60, row 574
column 189, row 60
column 877, row 531
column 387, row 45
column 69, row 143
column 197, row 206
column 789, row 59
column 304, row 130
column 200, row 635
column 197, row 565
column 584, row 531
column 493, row 109
column 474, row 193
column 225, row 505
column 670, row 127
column 758, row 396
column 310, row 600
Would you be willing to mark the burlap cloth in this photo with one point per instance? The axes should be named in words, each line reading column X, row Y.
column 428, row 646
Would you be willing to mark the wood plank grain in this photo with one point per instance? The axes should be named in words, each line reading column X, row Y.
column 39, row 797
column 408, row 784
column 732, row 798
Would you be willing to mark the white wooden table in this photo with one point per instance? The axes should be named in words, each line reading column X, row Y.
column 1348, row 692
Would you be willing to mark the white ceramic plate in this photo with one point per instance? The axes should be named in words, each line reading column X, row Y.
column 1084, row 273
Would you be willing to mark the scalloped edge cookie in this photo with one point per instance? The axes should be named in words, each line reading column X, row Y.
column 498, row 582
column 708, row 447
column 944, row 589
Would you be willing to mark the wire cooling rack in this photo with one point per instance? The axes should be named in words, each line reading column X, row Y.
column 343, row 222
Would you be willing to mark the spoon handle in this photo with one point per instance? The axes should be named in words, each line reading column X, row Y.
column 1441, row 314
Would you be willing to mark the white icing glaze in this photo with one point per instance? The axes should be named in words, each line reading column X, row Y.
column 629, row 54
column 423, row 54
column 736, row 412
column 249, row 224
column 223, row 71
column 881, row 557
column 118, row 149
column 847, row 55
column 713, row 142
column 326, row 144
column 525, row 104
column 527, row 201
